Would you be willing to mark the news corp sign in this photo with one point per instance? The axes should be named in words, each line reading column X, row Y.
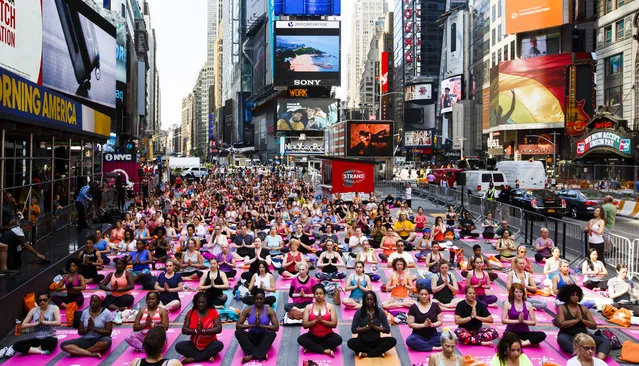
column 352, row 177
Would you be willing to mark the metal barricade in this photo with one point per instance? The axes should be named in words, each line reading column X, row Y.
column 473, row 204
column 568, row 236
column 622, row 250
column 533, row 222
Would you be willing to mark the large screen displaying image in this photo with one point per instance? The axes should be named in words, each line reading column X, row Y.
column 451, row 93
column 307, row 7
column 418, row 138
column 78, row 56
column 534, row 46
column 370, row 139
column 306, row 114
column 307, row 53
column 530, row 91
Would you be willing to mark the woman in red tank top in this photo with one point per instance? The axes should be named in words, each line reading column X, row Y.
column 320, row 318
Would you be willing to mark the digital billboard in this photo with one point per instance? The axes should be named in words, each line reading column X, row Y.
column 451, row 93
column 307, row 7
column 418, row 92
column 524, row 16
column 259, row 60
column 369, row 138
column 78, row 51
column 454, row 44
column 418, row 138
column 534, row 46
column 306, row 114
column 530, row 91
column 307, row 53
column 61, row 44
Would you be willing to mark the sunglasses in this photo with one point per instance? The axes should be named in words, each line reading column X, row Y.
column 42, row 300
column 589, row 348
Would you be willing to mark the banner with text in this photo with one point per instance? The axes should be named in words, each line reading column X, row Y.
column 349, row 176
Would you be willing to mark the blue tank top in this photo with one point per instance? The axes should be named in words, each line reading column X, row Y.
column 561, row 282
column 357, row 293
column 264, row 319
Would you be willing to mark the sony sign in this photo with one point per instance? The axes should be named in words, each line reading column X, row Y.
column 118, row 157
column 306, row 82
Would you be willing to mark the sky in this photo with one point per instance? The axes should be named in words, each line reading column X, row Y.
column 181, row 50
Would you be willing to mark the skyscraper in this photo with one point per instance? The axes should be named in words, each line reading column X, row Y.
column 365, row 13
column 214, row 10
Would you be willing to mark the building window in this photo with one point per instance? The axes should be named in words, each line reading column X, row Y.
column 620, row 3
column 609, row 6
column 614, row 65
column 494, row 59
column 498, row 56
column 493, row 36
column 506, row 53
column 620, row 27
column 499, row 8
column 512, row 50
column 612, row 95
column 608, row 34
column 494, row 14
column 499, row 32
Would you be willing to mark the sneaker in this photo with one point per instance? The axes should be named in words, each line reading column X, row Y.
column 10, row 352
column 3, row 352
column 45, row 352
column 117, row 317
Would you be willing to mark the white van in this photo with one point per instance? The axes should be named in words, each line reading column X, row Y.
column 478, row 181
column 524, row 174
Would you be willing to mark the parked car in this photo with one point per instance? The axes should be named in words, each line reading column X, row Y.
column 195, row 172
column 542, row 201
column 524, row 174
column 581, row 203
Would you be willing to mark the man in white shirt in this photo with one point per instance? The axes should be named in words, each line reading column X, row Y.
column 409, row 194
column 400, row 253
column 355, row 242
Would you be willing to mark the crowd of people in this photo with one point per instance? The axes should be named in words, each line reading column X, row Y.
column 239, row 230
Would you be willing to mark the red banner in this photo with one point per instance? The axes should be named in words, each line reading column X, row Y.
column 349, row 176
column 128, row 171
column 383, row 66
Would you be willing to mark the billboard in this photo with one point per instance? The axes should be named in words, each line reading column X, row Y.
column 418, row 138
column 530, row 91
column 451, row 93
column 533, row 46
column 418, row 92
column 350, row 176
column 580, row 97
column 307, row 53
column 369, row 138
column 121, row 54
column 60, row 44
column 255, row 9
column 259, row 60
column 306, row 114
column 78, row 51
column 605, row 141
column 383, row 77
column 524, row 16
column 454, row 44
column 307, row 7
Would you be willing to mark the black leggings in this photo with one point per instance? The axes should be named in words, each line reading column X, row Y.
column 372, row 348
column 124, row 301
column 229, row 274
column 565, row 342
column 188, row 349
column 288, row 307
column 532, row 337
column 47, row 344
column 315, row 344
column 539, row 257
column 255, row 344
column 603, row 285
column 250, row 300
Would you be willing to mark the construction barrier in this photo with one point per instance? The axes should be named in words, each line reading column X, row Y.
column 628, row 209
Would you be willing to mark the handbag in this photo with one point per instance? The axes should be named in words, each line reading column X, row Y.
column 621, row 317
column 72, row 307
column 612, row 338
column 29, row 301
column 608, row 311
column 630, row 352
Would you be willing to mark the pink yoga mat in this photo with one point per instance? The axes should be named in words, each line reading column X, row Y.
column 321, row 359
column 283, row 284
column 347, row 314
column 272, row 354
column 118, row 335
column 226, row 337
column 129, row 354
column 415, row 357
column 19, row 359
column 186, row 298
column 551, row 338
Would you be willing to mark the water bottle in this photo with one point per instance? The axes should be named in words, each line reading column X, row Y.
column 18, row 330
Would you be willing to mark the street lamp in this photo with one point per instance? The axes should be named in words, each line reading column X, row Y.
column 554, row 149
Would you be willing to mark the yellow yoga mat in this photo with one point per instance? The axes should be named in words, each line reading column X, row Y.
column 390, row 359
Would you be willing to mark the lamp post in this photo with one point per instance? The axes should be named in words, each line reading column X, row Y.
column 554, row 149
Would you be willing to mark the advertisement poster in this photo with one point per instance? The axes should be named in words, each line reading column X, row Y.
column 580, row 96
column 533, row 46
column 383, row 77
column 21, row 39
column 418, row 92
column 307, row 53
column 78, row 56
column 451, row 93
column 454, row 44
column 530, row 91
column 524, row 16
column 306, row 114
column 418, row 138
column 604, row 140
column 307, row 7
column 349, row 176
column 369, row 138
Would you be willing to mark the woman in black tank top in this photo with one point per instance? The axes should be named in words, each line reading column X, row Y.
column 153, row 345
